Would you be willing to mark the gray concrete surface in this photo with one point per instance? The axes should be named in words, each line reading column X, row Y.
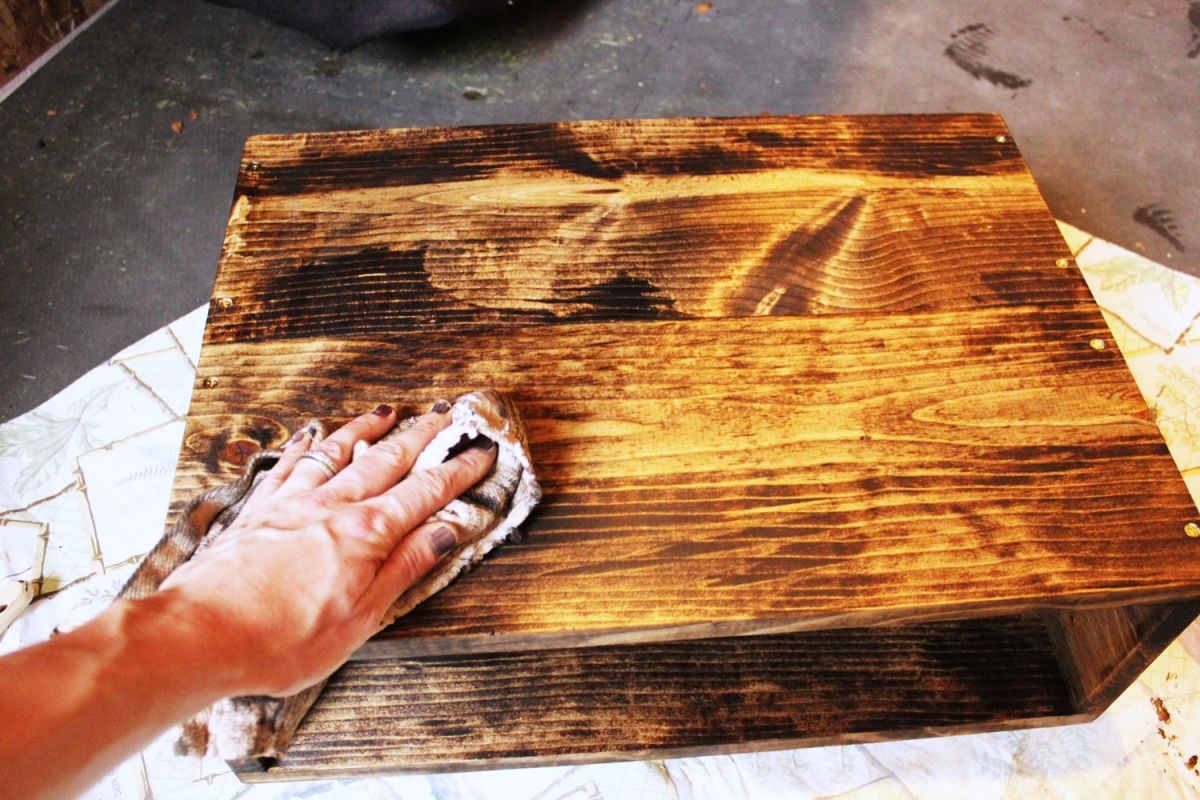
column 111, row 222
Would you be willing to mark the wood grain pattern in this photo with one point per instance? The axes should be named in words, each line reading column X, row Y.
column 1103, row 650
column 709, row 477
column 828, row 384
column 384, row 231
column 661, row 700
column 904, row 146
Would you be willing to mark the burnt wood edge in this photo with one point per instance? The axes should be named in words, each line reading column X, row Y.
column 396, row 646
column 271, row 771
column 257, row 156
column 984, row 119
column 277, row 165
column 1168, row 621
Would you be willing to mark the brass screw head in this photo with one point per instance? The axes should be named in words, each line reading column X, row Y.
column 1192, row 530
column 1062, row 263
column 224, row 303
column 210, row 383
column 1097, row 344
column 1002, row 138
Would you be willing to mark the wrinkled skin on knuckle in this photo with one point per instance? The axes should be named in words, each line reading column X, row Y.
column 395, row 450
column 430, row 424
column 339, row 452
column 415, row 562
column 273, row 515
column 434, row 487
column 318, row 503
column 418, row 496
column 365, row 522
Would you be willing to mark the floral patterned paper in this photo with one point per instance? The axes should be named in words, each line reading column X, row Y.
column 1154, row 314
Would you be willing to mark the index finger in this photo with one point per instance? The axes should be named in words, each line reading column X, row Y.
column 382, row 465
column 414, row 499
column 419, row 551
column 338, row 447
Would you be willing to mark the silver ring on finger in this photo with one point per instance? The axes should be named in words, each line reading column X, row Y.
column 327, row 464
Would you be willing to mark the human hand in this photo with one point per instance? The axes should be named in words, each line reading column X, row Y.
column 305, row 573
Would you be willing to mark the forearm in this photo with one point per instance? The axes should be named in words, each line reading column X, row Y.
column 75, row 706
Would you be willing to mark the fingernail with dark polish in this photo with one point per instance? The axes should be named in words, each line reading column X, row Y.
column 297, row 436
column 483, row 443
column 383, row 411
column 443, row 540
column 440, row 407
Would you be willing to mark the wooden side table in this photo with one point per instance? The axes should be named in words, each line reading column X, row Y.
column 836, row 445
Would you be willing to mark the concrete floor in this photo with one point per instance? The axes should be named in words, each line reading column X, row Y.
column 111, row 221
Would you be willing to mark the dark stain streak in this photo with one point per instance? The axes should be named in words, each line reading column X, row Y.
column 1194, row 22
column 1162, row 221
column 263, row 434
column 390, row 291
column 969, row 47
column 1006, row 285
column 294, row 293
column 970, row 155
column 620, row 298
column 714, row 160
column 296, row 301
column 215, row 455
column 566, row 152
column 772, row 139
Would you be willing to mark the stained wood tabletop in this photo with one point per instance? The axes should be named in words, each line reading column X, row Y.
column 780, row 374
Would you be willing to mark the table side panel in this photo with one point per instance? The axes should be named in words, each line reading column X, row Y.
column 1103, row 650
column 653, row 701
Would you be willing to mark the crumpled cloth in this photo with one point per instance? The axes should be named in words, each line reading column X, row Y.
column 485, row 516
